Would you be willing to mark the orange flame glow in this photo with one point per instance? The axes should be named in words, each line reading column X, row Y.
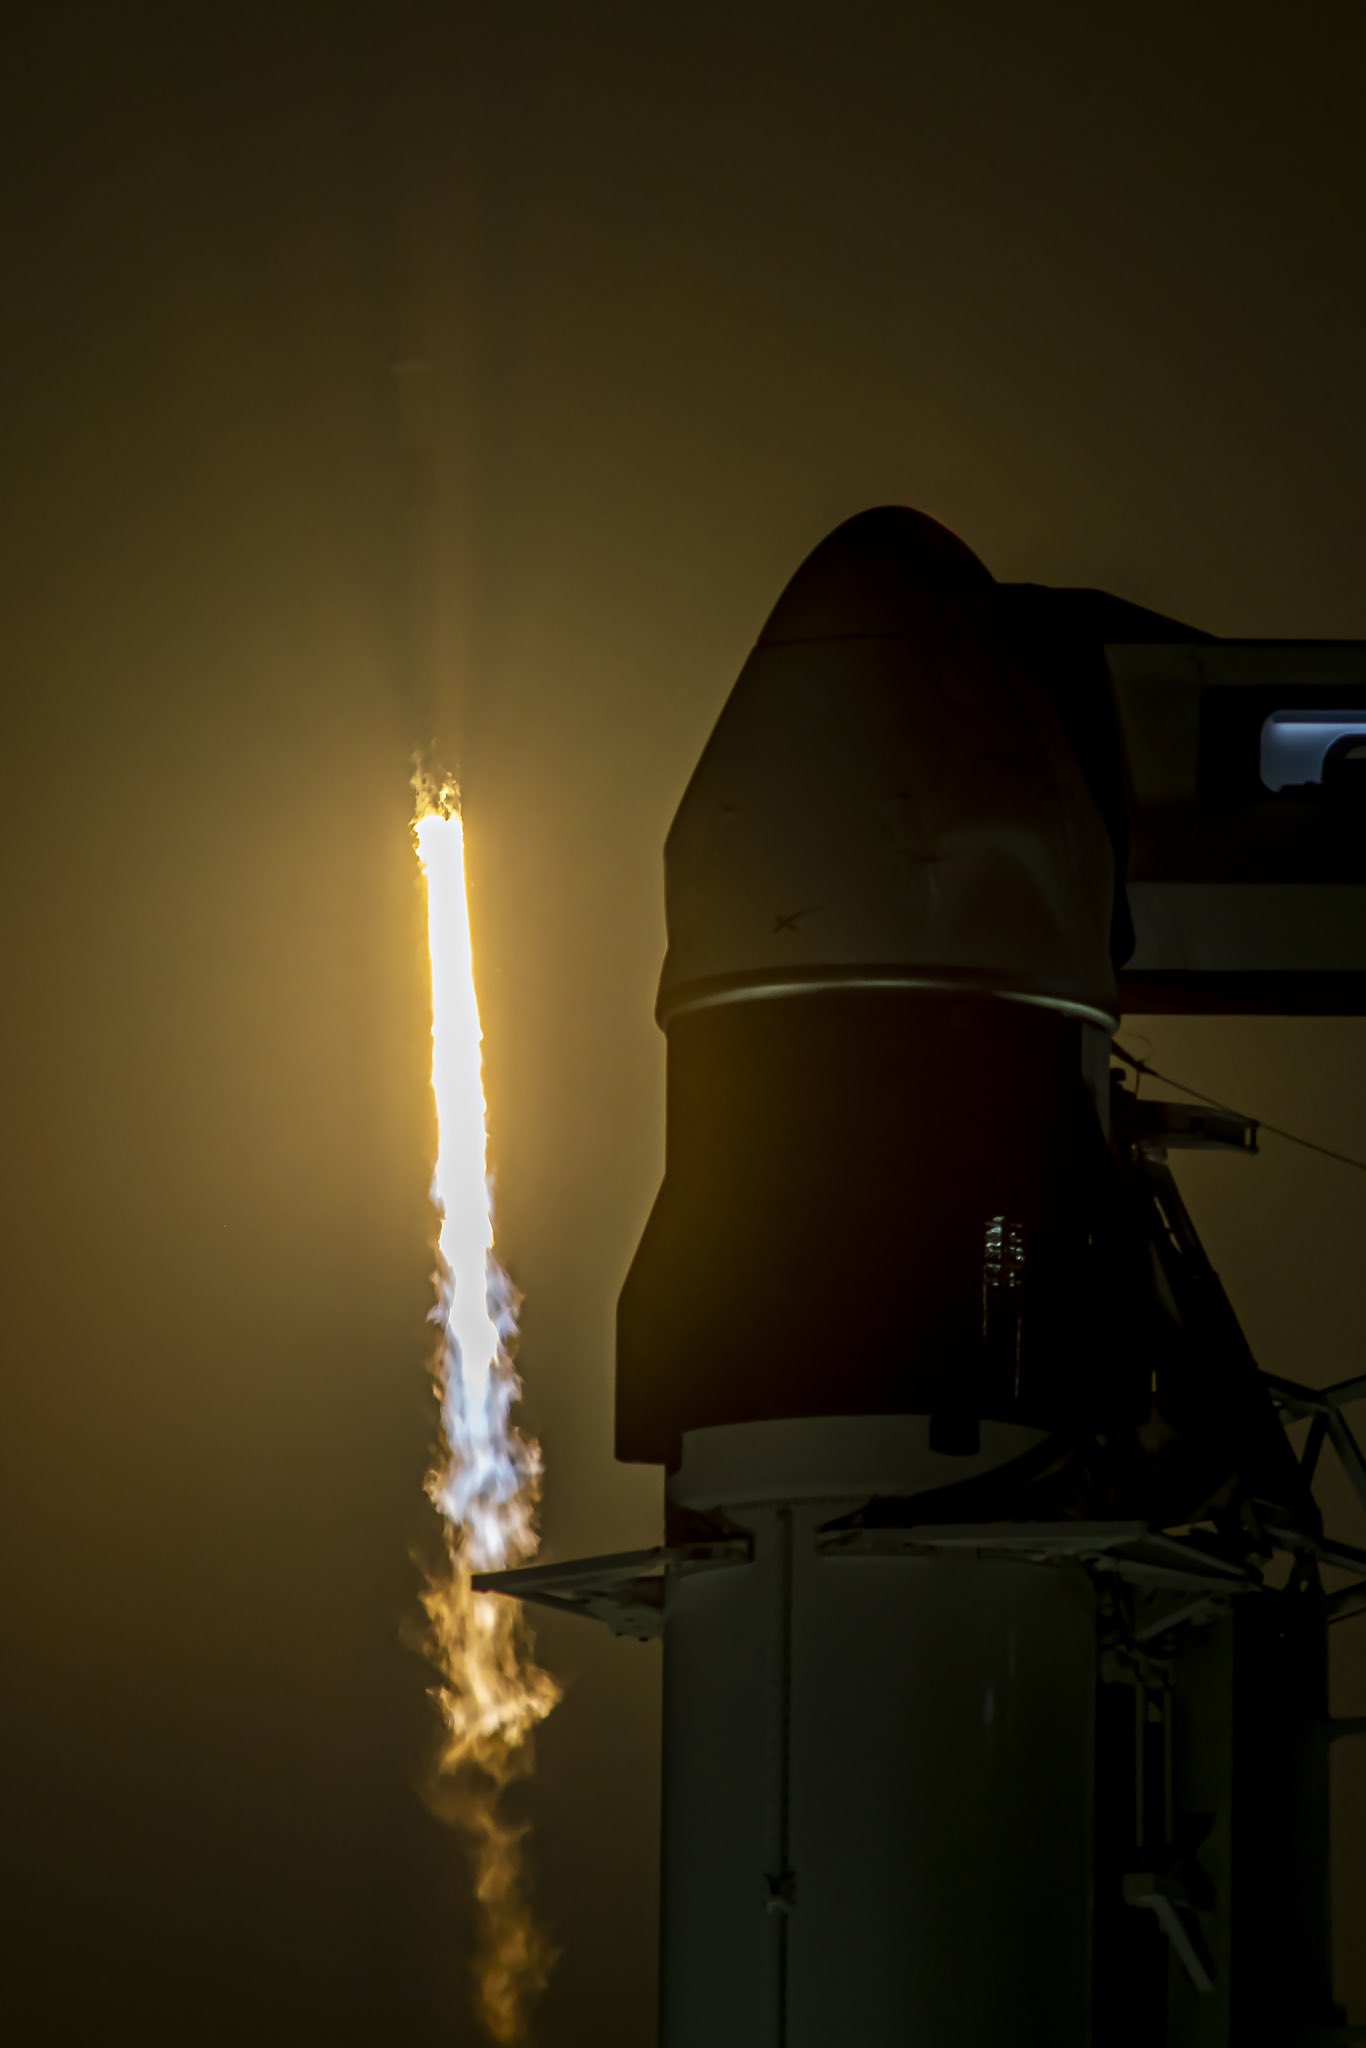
column 487, row 1479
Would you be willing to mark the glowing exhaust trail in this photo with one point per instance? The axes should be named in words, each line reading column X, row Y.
column 487, row 1478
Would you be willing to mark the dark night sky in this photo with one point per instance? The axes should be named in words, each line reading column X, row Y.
column 1086, row 283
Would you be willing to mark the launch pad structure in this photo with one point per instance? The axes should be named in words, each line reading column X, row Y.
column 994, row 1592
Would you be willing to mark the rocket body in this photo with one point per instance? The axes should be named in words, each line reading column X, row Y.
column 985, row 1718
column 900, row 1319
column 888, row 994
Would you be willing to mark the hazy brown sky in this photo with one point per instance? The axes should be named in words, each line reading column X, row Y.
column 1084, row 282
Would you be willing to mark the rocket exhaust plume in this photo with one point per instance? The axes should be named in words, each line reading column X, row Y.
column 486, row 1481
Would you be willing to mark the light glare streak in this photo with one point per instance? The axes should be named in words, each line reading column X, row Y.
column 487, row 1479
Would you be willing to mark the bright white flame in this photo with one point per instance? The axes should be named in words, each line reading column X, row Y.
column 486, row 1483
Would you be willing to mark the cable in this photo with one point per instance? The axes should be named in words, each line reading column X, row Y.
column 1291, row 1137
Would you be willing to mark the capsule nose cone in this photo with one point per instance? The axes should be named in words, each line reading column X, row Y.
column 870, row 575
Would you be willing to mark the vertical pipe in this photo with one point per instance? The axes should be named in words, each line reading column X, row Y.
column 779, row 1877
column 1140, row 1761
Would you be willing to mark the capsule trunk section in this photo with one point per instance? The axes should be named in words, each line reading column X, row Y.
column 876, row 1202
